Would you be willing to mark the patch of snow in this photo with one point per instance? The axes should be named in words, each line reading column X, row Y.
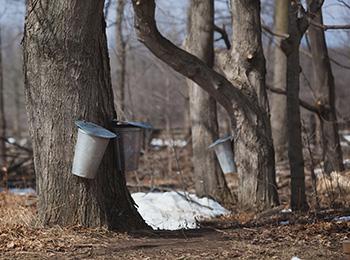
column 295, row 258
column 342, row 219
column 347, row 163
column 344, row 143
column 347, row 137
column 171, row 210
column 284, row 222
column 23, row 142
column 25, row 191
column 11, row 140
column 168, row 142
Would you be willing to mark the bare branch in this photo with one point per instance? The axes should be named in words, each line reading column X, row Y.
column 302, row 103
column 188, row 65
column 309, row 55
column 270, row 31
column 344, row 3
column 305, row 21
column 224, row 35
column 331, row 27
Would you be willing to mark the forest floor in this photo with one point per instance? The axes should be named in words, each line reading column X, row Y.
column 274, row 234
column 225, row 238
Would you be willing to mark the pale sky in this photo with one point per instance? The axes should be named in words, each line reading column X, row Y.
column 171, row 17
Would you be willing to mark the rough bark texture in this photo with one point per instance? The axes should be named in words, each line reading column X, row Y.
column 67, row 77
column 279, row 102
column 2, row 112
column 254, row 153
column 324, row 88
column 209, row 179
column 121, row 61
column 243, row 97
column 295, row 146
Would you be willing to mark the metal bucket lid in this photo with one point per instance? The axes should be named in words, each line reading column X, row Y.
column 133, row 124
column 95, row 130
column 221, row 140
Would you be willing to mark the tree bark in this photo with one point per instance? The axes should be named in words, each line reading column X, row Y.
column 67, row 77
column 121, row 60
column 243, row 97
column 2, row 112
column 255, row 165
column 278, row 102
column 295, row 146
column 209, row 179
column 324, row 87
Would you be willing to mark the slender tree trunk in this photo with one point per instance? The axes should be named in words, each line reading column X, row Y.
column 67, row 77
column 278, row 102
column 121, row 60
column 2, row 112
column 18, row 107
column 324, row 87
column 295, row 146
column 209, row 179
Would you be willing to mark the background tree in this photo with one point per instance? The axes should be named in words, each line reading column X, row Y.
column 297, row 27
column 243, row 95
column 120, row 60
column 2, row 112
column 278, row 102
column 295, row 145
column 324, row 89
column 67, row 77
column 209, row 180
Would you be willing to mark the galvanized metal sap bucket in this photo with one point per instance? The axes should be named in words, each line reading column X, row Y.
column 91, row 144
column 224, row 153
column 130, row 143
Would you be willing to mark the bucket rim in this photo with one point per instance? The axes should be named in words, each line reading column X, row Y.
column 93, row 129
column 221, row 140
column 122, row 124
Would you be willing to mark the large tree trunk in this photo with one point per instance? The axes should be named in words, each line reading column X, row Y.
column 121, row 60
column 278, row 102
column 209, row 179
column 67, row 77
column 324, row 87
column 295, row 146
column 2, row 112
column 254, row 153
column 243, row 96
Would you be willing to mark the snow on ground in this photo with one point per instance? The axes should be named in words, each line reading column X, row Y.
column 168, row 142
column 17, row 191
column 342, row 219
column 171, row 210
column 347, row 137
column 168, row 210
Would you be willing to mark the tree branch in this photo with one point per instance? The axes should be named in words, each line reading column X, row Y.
column 224, row 35
column 309, row 55
column 307, row 17
column 224, row 92
column 331, row 27
column 302, row 103
column 268, row 30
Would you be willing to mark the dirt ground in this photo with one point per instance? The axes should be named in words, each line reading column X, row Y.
column 231, row 237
